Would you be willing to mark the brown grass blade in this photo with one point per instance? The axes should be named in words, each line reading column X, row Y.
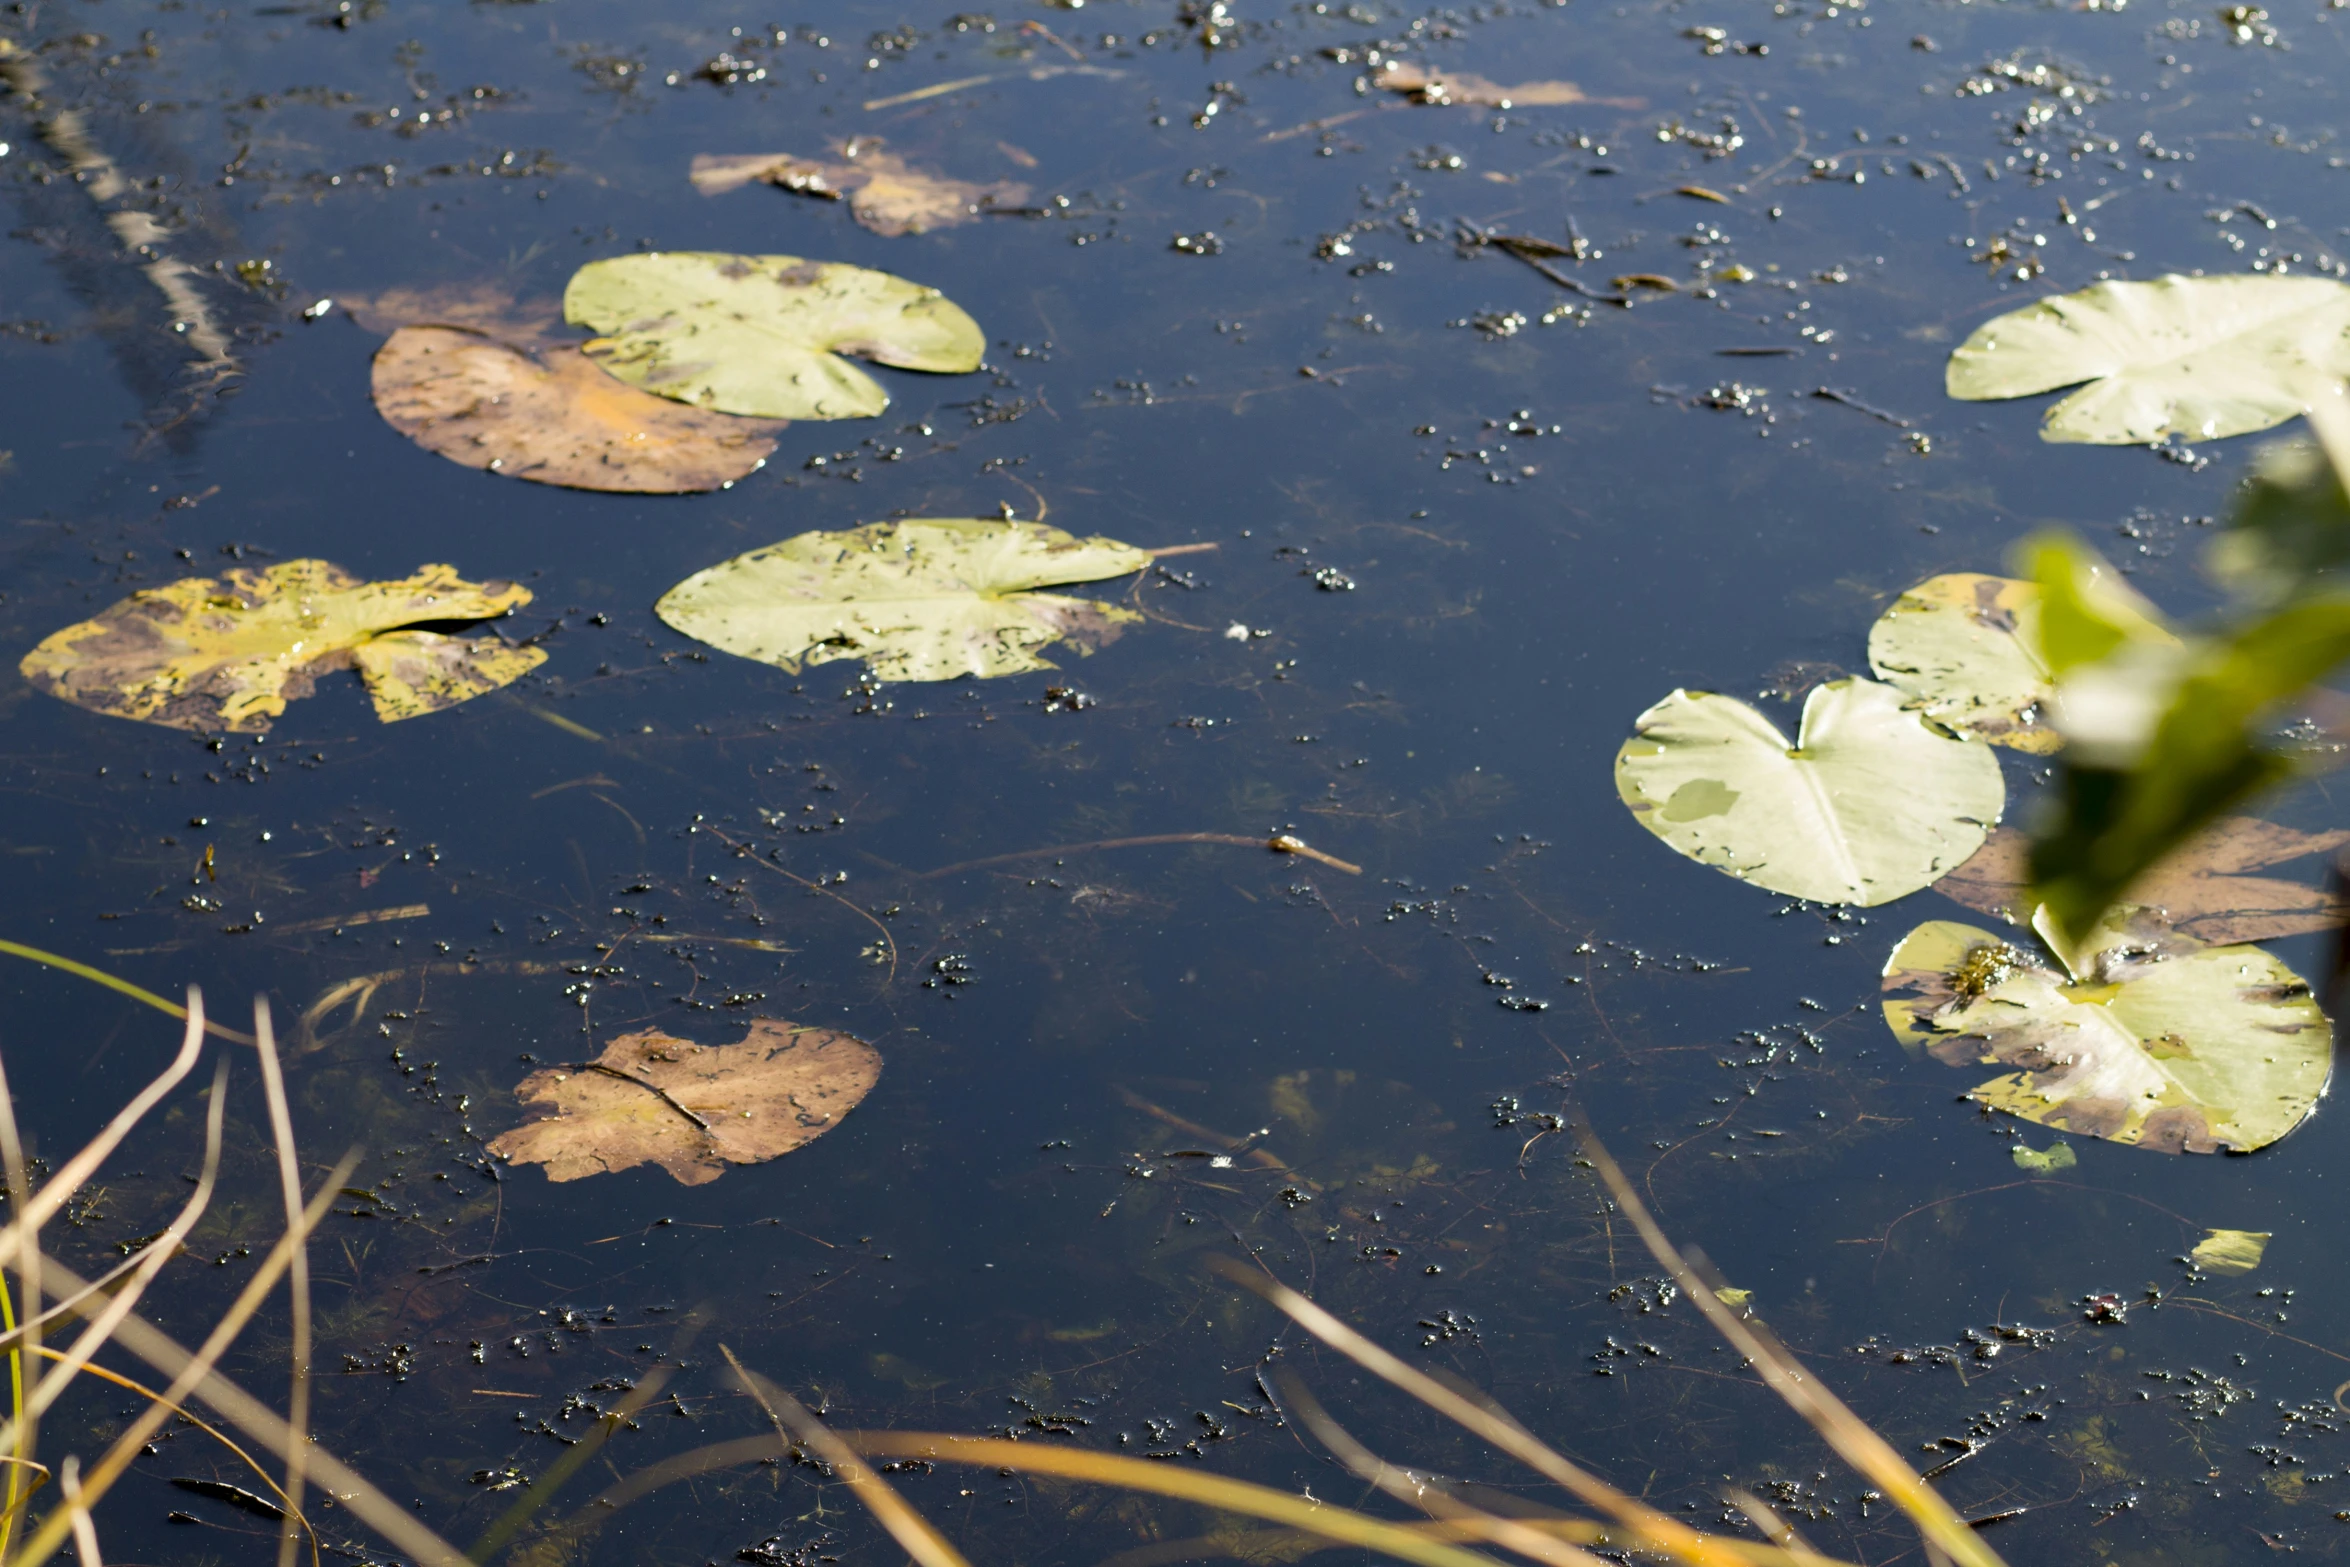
column 85, row 1533
column 49, row 1388
column 25, row 1422
column 289, row 1175
column 190, row 1374
column 1786, row 1376
column 1655, row 1530
column 909, row 1528
column 1423, row 1491
column 78, row 1169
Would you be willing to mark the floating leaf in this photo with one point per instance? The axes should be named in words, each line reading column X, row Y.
column 2229, row 1251
column 1966, row 649
column 884, row 193
column 2204, row 889
column 2059, row 1157
column 548, row 413
column 1423, row 85
column 484, row 306
column 229, row 652
column 763, row 335
column 1869, row 805
column 928, row 598
column 2195, row 357
column 2189, row 1050
column 691, row 1109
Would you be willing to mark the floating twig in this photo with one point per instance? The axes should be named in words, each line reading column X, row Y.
column 1279, row 843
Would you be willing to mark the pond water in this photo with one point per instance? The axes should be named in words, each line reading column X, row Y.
column 1459, row 525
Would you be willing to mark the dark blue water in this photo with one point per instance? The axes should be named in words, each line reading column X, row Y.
column 1553, row 511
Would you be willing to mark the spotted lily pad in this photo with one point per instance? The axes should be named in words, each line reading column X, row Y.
column 928, row 598
column 2194, row 357
column 764, row 335
column 228, row 652
column 2160, row 1044
column 1965, row 648
column 692, row 1109
column 1870, row 804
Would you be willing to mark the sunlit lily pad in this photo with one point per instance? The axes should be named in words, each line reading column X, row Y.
column 1871, row 804
column 228, row 652
column 2194, row 357
column 2176, row 1048
column 1965, row 648
column 928, row 598
column 692, row 1109
column 764, row 335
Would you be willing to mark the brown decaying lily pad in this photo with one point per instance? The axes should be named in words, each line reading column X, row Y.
column 547, row 412
column 691, row 1109
column 2202, row 891
column 884, row 193
column 1423, row 85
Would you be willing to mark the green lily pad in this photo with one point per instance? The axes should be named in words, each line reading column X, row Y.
column 2230, row 1251
column 2195, row 357
column 2060, row 1156
column 764, row 335
column 928, row 598
column 2177, row 1048
column 1870, row 804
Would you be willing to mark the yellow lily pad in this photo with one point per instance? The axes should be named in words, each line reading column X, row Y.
column 228, row 652
column 2151, row 1041
column 764, row 335
column 928, row 598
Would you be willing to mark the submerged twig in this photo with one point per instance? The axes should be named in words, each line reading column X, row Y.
column 745, row 851
column 655, row 1089
column 1279, row 843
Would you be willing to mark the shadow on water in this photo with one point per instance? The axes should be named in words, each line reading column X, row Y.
column 1466, row 523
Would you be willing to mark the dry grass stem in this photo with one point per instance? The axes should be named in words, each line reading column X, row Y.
column 85, row 1533
column 510, row 1523
column 48, row 1388
column 1944, row 1531
column 23, row 1424
column 289, row 1172
column 909, row 1528
column 192, row 1373
column 1654, row 1529
column 1426, row 1493
column 260, row 1473
column 30, row 1216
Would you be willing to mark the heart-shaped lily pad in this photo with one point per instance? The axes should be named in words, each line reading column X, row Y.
column 2195, row 357
column 2168, row 1046
column 1870, row 804
column 764, row 335
column 928, row 598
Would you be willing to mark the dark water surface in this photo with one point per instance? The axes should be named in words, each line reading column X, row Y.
column 1553, row 511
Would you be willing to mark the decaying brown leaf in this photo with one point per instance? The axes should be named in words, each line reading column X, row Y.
column 2205, row 890
column 691, row 1109
column 884, row 194
column 545, row 411
column 1423, row 85
column 484, row 306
